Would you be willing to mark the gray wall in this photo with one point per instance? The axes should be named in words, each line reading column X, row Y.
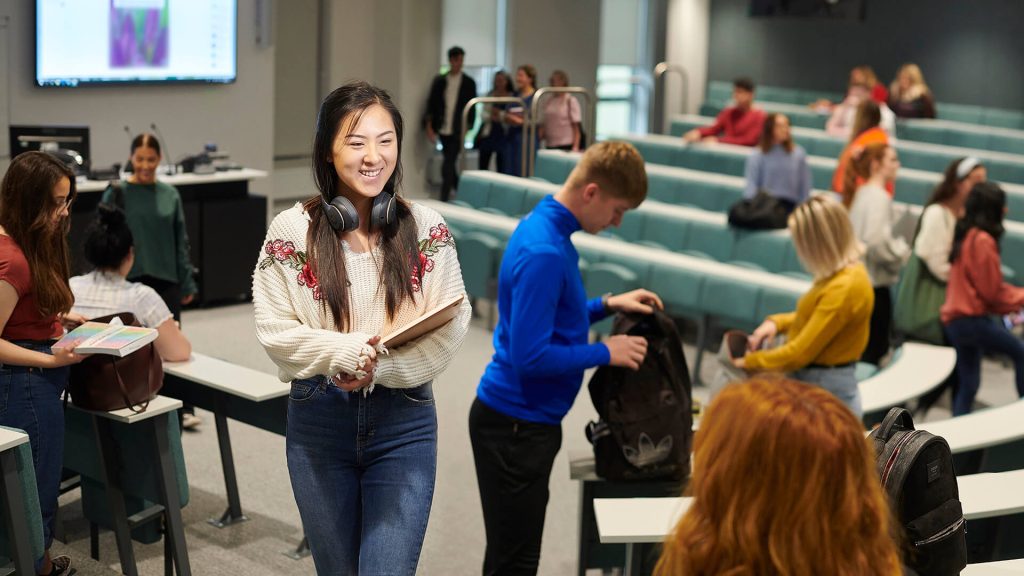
column 238, row 117
column 556, row 35
column 968, row 50
column 296, row 97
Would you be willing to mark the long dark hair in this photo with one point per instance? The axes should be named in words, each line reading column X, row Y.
column 397, row 241
column 27, row 207
column 868, row 116
column 983, row 210
column 950, row 178
column 768, row 134
column 108, row 239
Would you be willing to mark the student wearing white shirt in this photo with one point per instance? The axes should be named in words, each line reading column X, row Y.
column 449, row 94
column 106, row 290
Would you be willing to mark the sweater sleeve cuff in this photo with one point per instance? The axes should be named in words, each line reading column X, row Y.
column 602, row 356
column 596, row 310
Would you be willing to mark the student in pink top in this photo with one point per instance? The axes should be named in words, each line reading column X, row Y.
column 976, row 291
column 562, row 117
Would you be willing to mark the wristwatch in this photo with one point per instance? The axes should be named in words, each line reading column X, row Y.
column 604, row 302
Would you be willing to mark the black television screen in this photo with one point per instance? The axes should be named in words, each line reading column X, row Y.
column 839, row 9
column 80, row 42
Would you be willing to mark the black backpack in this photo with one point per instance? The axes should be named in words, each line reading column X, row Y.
column 646, row 423
column 762, row 212
column 916, row 469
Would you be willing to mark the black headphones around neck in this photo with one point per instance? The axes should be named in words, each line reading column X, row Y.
column 343, row 217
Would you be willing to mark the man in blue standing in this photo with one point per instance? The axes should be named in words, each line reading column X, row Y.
column 541, row 350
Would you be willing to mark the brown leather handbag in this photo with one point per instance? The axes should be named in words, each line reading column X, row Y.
column 103, row 382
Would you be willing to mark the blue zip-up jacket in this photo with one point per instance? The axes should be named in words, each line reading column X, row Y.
column 540, row 343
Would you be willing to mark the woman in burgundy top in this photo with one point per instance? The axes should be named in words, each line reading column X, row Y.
column 976, row 291
column 36, row 194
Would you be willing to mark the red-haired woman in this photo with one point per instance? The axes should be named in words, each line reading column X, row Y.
column 783, row 483
column 36, row 194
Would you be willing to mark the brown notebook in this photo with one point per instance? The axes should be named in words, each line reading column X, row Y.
column 431, row 320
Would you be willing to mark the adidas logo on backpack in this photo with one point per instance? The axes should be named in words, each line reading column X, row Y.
column 916, row 470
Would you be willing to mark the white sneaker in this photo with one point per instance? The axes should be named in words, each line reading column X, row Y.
column 190, row 421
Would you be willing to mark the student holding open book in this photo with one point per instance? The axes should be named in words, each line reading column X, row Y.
column 109, row 247
column 336, row 273
column 35, row 197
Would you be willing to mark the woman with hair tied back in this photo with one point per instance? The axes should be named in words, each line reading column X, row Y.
column 872, row 217
column 867, row 130
column 976, row 291
column 778, row 166
column 350, row 264
column 783, row 482
column 35, row 198
column 109, row 247
column 829, row 329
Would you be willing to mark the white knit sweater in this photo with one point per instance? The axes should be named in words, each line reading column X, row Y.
column 298, row 331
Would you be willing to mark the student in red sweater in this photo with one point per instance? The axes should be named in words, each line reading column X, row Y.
column 740, row 124
column 976, row 291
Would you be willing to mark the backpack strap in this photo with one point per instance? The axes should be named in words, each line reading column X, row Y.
column 118, row 190
column 897, row 419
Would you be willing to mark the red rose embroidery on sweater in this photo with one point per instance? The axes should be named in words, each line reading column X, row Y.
column 422, row 263
column 284, row 253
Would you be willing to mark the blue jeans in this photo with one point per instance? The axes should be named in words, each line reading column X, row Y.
column 972, row 336
column 362, row 469
column 841, row 382
column 30, row 401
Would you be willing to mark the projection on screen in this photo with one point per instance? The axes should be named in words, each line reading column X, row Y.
column 81, row 42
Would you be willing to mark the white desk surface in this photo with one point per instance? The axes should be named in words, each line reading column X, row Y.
column 637, row 520
column 647, row 520
column 607, row 246
column 964, row 127
column 991, row 494
column 919, row 368
column 11, row 438
column 157, row 406
column 183, row 179
column 1004, row 568
column 230, row 378
column 980, row 429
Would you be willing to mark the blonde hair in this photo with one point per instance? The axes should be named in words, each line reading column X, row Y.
column 784, row 482
column 616, row 167
column 823, row 236
column 917, row 85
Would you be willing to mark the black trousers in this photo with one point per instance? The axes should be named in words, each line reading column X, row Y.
column 513, row 465
column 881, row 327
column 450, row 148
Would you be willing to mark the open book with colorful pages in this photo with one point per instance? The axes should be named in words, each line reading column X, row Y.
column 113, row 339
column 431, row 320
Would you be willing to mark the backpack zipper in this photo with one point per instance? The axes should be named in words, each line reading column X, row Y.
column 895, row 453
column 945, row 532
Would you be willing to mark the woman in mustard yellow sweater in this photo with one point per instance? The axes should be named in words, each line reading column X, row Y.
column 828, row 332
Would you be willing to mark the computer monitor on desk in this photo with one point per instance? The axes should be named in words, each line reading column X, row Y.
column 69, row 143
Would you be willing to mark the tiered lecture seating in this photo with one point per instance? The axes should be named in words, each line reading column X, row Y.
column 1002, row 167
column 716, row 193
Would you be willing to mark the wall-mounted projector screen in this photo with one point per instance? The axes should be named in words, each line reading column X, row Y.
column 82, row 42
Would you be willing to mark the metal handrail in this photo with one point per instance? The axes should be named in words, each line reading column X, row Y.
column 592, row 121
column 660, row 71
column 488, row 100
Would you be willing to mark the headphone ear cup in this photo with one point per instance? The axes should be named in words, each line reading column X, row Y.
column 383, row 211
column 341, row 214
